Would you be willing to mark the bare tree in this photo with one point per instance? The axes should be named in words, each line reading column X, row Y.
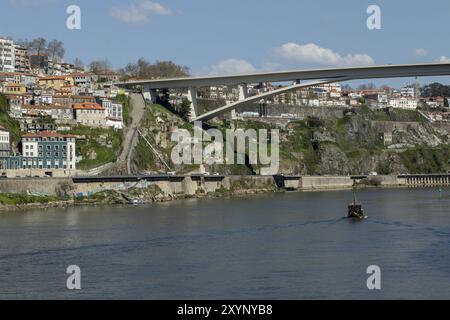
column 78, row 63
column 38, row 45
column 56, row 50
column 99, row 66
column 160, row 69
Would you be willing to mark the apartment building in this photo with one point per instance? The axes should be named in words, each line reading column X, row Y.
column 7, row 61
column 114, row 113
column 21, row 58
column 405, row 103
column 4, row 142
column 90, row 114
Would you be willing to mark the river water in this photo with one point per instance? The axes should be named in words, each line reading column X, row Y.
column 276, row 246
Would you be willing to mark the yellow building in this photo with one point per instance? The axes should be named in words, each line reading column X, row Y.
column 55, row 82
column 15, row 88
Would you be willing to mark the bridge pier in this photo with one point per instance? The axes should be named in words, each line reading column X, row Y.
column 242, row 95
column 192, row 97
column 150, row 94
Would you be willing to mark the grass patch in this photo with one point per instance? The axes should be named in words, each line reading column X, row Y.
column 426, row 160
column 9, row 123
column 97, row 146
column 18, row 199
column 124, row 100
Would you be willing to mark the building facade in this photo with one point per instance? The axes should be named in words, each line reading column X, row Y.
column 4, row 142
column 22, row 60
column 44, row 150
column 90, row 114
column 114, row 113
column 7, row 61
column 405, row 103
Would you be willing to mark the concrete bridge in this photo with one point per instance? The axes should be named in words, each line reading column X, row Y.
column 150, row 87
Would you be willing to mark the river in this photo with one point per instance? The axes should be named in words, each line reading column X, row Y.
column 272, row 246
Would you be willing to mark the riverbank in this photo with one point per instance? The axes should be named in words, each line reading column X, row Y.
column 152, row 194
column 119, row 198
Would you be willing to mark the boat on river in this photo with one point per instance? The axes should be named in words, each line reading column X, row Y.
column 355, row 210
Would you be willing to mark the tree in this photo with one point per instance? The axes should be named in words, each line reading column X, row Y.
column 346, row 87
column 434, row 90
column 56, row 50
column 185, row 109
column 38, row 45
column 99, row 66
column 160, row 69
column 78, row 63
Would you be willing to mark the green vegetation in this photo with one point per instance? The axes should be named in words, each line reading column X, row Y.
column 434, row 90
column 9, row 123
column 97, row 146
column 348, row 145
column 185, row 109
column 425, row 159
column 123, row 99
column 299, row 142
column 18, row 199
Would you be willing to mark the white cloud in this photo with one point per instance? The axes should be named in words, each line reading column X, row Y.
column 140, row 12
column 421, row 52
column 312, row 53
column 443, row 59
column 232, row 66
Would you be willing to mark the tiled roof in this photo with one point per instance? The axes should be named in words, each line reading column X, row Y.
column 87, row 106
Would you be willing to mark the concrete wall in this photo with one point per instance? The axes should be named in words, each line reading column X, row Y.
column 27, row 173
column 190, row 185
column 43, row 186
column 325, row 182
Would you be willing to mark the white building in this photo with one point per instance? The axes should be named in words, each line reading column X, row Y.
column 114, row 113
column 408, row 91
column 4, row 142
column 406, row 103
column 7, row 61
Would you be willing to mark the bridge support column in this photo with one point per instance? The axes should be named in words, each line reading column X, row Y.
column 192, row 96
column 150, row 94
column 243, row 94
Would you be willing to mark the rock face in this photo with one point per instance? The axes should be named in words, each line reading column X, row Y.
column 358, row 142
column 332, row 160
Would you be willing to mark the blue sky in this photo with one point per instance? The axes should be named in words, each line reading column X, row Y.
column 212, row 36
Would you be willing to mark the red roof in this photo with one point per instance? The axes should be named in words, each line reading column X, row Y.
column 87, row 106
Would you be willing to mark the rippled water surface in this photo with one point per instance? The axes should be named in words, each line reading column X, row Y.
column 277, row 246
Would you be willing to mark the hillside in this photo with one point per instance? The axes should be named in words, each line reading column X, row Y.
column 348, row 145
column 9, row 123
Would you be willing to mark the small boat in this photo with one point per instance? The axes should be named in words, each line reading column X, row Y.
column 355, row 210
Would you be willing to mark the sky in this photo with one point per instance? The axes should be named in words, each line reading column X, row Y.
column 236, row 36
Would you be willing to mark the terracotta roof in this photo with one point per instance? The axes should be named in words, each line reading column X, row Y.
column 87, row 106
column 47, row 134
column 42, row 107
column 53, row 78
